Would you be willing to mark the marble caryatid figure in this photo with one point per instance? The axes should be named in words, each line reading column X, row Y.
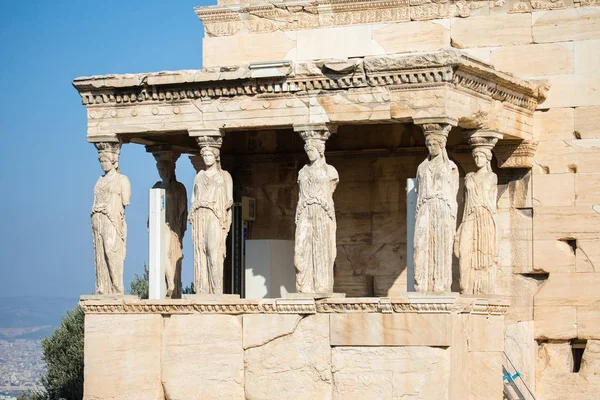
column 476, row 244
column 210, row 216
column 435, row 225
column 175, row 217
column 109, row 230
column 315, row 247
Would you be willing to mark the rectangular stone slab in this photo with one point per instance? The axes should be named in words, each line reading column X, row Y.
column 407, row 329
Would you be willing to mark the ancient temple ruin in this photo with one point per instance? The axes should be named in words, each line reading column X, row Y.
column 505, row 92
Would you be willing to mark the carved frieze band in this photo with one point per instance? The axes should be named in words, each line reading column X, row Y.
column 269, row 17
column 286, row 306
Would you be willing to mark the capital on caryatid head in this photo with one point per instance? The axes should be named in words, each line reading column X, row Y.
column 436, row 125
column 315, row 131
column 482, row 138
column 110, row 148
column 163, row 152
column 207, row 137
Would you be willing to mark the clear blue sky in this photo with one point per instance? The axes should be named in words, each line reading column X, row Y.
column 48, row 170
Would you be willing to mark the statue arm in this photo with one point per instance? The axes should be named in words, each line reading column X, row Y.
column 454, row 186
column 334, row 178
column 125, row 191
column 494, row 194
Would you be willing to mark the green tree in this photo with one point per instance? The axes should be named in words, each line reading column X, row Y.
column 63, row 354
column 139, row 285
column 189, row 289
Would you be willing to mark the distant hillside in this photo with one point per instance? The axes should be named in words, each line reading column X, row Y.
column 29, row 312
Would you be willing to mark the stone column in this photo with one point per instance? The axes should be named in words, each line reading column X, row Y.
column 476, row 243
column 437, row 187
column 175, row 214
column 315, row 241
column 109, row 230
column 210, row 215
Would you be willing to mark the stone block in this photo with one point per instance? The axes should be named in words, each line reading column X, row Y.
column 521, row 349
column 520, row 291
column 554, row 190
column 398, row 329
column 554, row 124
column 534, row 59
column 411, row 37
column 191, row 368
column 515, row 239
column 566, row 25
column 553, row 256
column 485, row 375
column 333, row 43
column 491, row 30
column 297, row 364
column 587, row 122
column 555, row 379
column 122, row 359
column 587, row 256
column 587, row 189
column 587, row 56
column 483, row 54
column 259, row 329
column 459, row 360
column 388, row 197
column 352, row 197
column 389, row 227
column 390, row 285
column 555, row 323
column 588, row 322
column 354, row 228
column 244, row 49
column 581, row 223
column 486, row 333
column 579, row 289
column 354, row 286
column 390, row 372
column 572, row 91
column 387, row 259
column 554, row 157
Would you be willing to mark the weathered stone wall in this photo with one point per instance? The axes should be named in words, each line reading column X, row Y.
column 549, row 218
column 416, row 347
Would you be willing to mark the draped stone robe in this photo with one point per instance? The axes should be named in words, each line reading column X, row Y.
column 476, row 244
column 315, row 247
column 435, row 224
column 210, row 217
column 109, row 231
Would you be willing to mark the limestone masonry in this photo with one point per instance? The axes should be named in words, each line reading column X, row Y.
column 321, row 111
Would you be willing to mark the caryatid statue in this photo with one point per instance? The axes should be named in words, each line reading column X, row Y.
column 315, row 247
column 109, row 230
column 476, row 245
column 175, row 216
column 210, row 216
column 437, row 187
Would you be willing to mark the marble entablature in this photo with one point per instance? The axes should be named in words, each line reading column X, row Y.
column 445, row 84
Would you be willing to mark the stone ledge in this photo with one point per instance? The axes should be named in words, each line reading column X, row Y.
column 410, row 303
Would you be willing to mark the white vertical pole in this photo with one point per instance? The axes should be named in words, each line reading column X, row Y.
column 412, row 185
column 156, row 247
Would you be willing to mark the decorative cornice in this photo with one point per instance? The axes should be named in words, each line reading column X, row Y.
column 407, row 72
column 295, row 306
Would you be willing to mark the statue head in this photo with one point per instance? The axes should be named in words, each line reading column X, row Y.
column 435, row 143
column 165, row 163
column 108, row 155
column 482, row 156
column 314, row 149
column 210, row 155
